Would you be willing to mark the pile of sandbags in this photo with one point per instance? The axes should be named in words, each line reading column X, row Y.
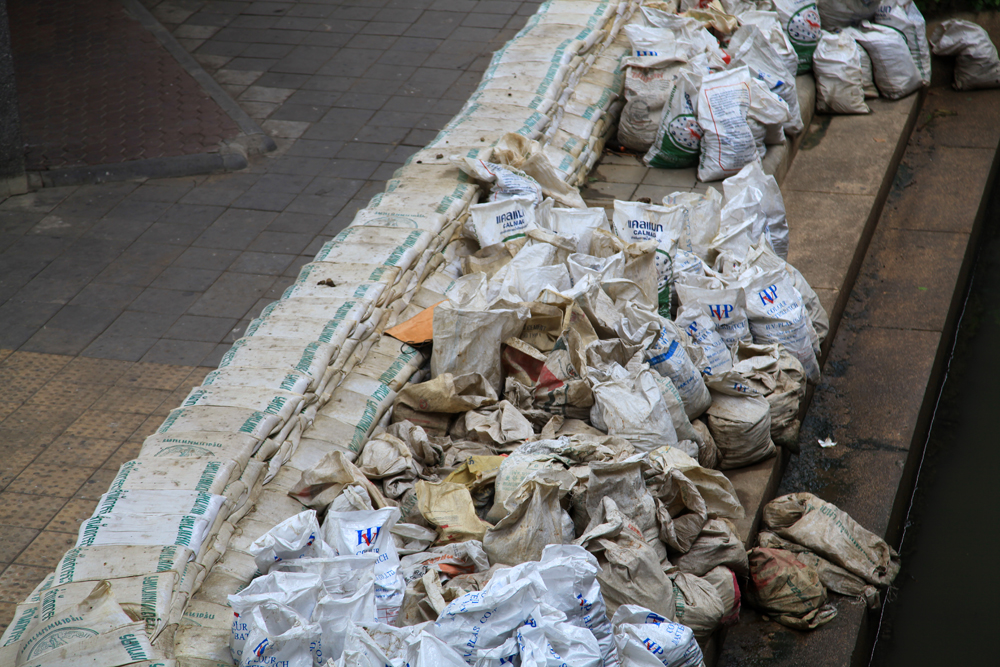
column 808, row 547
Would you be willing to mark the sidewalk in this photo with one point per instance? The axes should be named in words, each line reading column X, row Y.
column 117, row 298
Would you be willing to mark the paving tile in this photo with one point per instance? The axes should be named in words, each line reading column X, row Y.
column 27, row 510
column 263, row 263
column 47, row 549
column 167, row 301
column 87, row 452
column 15, row 461
column 199, row 328
column 206, row 258
column 16, row 539
column 82, row 370
column 177, row 352
column 68, row 395
column 231, row 295
column 106, row 295
column 105, row 425
column 18, row 581
column 74, row 512
column 116, row 347
column 130, row 399
column 95, row 486
column 156, row 376
column 58, row 479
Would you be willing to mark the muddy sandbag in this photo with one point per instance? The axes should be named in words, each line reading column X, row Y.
column 708, row 451
column 680, row 509
column 824, row 528
column 448, row 393
column 468, row 341
column 448, row 506
column 632, row 572
column 534, row 519
column 839, row 580
column 697, row 604
column 632, row 406
column 319, row 486
column 718, row 544
column 728, row 589
column 741, row 428
column 501, row 425
column 780, row 378
column 787, row 590
column 715, row 488
column 622, row 482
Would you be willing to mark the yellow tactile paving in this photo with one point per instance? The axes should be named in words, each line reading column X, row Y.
column 66, row 425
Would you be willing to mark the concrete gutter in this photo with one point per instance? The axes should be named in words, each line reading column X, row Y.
column 883, row 368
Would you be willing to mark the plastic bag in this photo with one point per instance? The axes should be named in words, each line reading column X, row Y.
column 534, row 520
column 801, row 22
column 752, row 48
column 824, row 528
column 278, row 635
column 648, row 86
column 295, row 537
column 645, row 639
column 483, row 620
column 777, row 315
column 296, row 592
column 356, row 533
column 468, row 341
column 839, row 77
column 907, row 19
column 668, row 357
column 976, row 63
column 701, row 328
column 896, row 73
column 566, row 578
column 547, row 640
column 726, row 307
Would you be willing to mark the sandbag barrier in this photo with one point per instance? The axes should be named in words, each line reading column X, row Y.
column 313, row 374
column 277, row 426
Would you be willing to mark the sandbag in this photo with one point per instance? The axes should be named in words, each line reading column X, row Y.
column 787, row 590
column 534, row 520
column 777, row 315
column 448, row 507
column 697, row 604
column 648, row 87
column 468, row 341
column 839, row 77
column 668, row 357
column 843, row 13
column 896, row 73
column 502, row 221
column 702, row 330
column 632, row 407
column 677, row 140
column 716, row 545
column 547, row 640
column 726, row 307
column 830, row 532
column 631, row 568
column 741, row 428
column 635, row 222
column 801, row 22
column 723, row 105
column 778, row 377
column 976, row 62
column 907, row 19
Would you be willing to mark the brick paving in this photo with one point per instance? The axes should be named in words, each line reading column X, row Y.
column 115, row 299
column 95, row 87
